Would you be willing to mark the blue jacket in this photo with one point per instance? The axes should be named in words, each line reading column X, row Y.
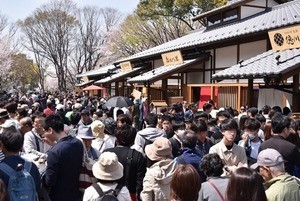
column 190, row 156
column 203, row 148
column 63, row 168
column 193, row 157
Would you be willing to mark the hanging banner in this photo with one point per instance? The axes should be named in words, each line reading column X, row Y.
column 172, row 58
column 126, row 66
column 287, row 38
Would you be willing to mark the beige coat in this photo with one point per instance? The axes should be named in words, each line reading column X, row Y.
column 157, row 181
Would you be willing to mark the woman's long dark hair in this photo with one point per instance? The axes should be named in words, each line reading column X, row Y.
column 245, row 185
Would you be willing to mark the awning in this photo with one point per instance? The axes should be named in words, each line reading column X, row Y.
column 120, row 76
column 92, row 87
column 281, row 64
column 99, row 71
column 164, row 71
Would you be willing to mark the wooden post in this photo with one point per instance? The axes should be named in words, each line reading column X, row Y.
column 117, row 88
column 296, row 94
column 250, row 93
column 239, row 98
column 164, row 87
column 148, row 96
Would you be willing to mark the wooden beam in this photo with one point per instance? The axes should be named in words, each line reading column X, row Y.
column 296, row 94
column 250, row 93
column 239, row 97
column 292, row 71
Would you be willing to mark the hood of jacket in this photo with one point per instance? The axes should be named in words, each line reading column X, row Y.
column 163, row 170
column 151, row 133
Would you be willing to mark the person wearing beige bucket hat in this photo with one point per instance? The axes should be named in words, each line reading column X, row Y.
column 108, row 170
column 157, row 181
column 102, row 141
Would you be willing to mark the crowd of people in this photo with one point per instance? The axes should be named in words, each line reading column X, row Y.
column 76, row 147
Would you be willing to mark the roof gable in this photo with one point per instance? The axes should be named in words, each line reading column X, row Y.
column 280, row 16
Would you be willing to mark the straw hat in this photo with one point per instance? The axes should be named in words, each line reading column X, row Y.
column 98, row 128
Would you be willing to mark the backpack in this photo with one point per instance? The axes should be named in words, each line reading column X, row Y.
column 110, row 195
column 21, row 186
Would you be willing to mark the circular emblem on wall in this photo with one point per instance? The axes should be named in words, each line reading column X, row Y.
column 278, row 39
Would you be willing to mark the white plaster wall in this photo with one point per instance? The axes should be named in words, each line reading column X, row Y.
column 226, row 56
column 207, row 77
column 195, row 78
column 249, row 11
column 249, row 50
column 272, row 3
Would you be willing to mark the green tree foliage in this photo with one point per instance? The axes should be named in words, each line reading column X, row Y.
column 23, row 73
column 183, row 10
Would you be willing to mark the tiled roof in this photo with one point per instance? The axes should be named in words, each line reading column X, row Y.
column 266, row 64
column 280, row 16
column 116, row 76
column 230, row 4
column 160, row 71
column 84, row 83
column 99, row 71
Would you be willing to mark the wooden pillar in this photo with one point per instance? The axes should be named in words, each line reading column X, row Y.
column 164, row 88
column 182, row 84
column 117, row 88
column 296, row 94
column 148, row 97
column 239, row 98
column 250, row 93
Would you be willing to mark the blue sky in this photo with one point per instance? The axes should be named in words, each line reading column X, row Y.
column 19, row 9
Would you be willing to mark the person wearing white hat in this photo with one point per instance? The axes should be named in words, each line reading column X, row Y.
column 102, row 140
column 108, row 170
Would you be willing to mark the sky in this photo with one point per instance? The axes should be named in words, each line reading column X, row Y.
column 20, row 9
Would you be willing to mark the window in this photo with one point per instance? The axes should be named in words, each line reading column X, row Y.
column 213, row 20
column 230, row 15
column 224, row 17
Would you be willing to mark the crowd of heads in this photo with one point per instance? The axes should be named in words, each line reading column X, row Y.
column 188, row 123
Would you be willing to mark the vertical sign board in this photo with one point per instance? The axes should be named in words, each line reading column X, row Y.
column 172, row 58
column 126, row 66
column 282, row 39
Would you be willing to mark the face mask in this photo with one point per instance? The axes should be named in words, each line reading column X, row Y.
column 251, row 136
column 180, row 133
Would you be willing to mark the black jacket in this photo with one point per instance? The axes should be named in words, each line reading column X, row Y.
column 137, row 168
column 288, row 150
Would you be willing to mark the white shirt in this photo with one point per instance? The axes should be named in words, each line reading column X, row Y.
column 90, row 193
column 101, row 144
